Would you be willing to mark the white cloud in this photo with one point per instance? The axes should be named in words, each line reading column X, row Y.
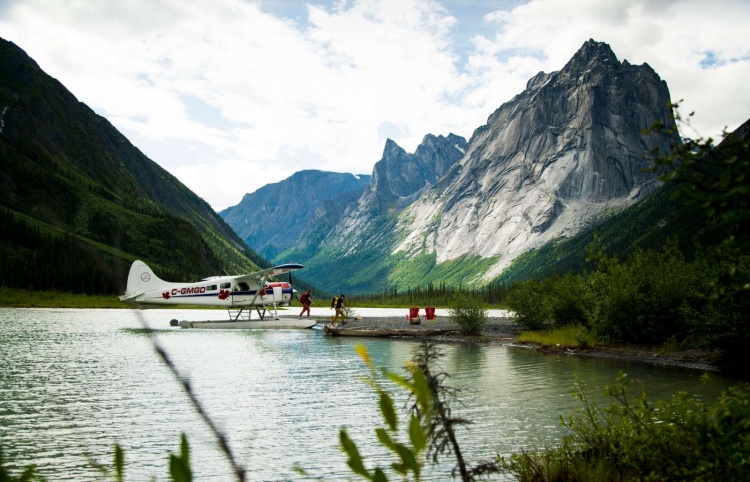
column 229, row 97
column 225, row 180
column 673, row 37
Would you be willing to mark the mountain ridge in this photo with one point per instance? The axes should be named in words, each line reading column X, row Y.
column 71, row 177
column 552, row 159
column 274, row 216
column 564, row 154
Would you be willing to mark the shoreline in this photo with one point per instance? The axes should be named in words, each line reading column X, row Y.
column 497, row 331
column 504, row 331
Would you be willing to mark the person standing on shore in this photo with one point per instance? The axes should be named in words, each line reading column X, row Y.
column 306, row 300
column 339, row 305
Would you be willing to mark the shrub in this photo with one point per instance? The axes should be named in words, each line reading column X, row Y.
column 570, row 299
column 550, row 303
column 634, row 439
column 645, row 298
column 350, row 313
column 531, row 304
column 469, row 312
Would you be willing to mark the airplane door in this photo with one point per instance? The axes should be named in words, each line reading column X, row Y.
column 241, row 293
column 278, row 295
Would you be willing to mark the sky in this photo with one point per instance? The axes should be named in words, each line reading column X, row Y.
column 231, row 95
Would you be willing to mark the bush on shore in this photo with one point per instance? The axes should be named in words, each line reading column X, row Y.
column 650, row 298
column 469, row 312
column 634, row 439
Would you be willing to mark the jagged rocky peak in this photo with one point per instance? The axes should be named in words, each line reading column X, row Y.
column 591, row 54
column 547, row 162
column 537, row 81
column 399, row 176
column 586, row 120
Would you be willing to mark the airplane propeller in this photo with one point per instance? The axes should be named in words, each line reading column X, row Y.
column 290, row 282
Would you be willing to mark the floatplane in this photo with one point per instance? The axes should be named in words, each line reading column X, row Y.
column 240, row 294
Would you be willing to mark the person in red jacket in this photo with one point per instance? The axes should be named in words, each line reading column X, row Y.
column 306, row 300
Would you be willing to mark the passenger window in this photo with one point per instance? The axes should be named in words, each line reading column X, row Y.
column 211, row 288
column 224, row 286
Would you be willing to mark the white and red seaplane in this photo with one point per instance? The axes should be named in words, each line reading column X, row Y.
column 240, row 294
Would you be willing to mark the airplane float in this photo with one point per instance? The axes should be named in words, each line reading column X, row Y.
column 240, row 294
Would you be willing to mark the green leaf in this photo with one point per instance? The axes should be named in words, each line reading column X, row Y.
column 417, row 435
column 179, row 470
column 363, row 354
column 355, row 459
column 385, row 439
column 179, row 465
column 407, row 456
column 388, row 411
column 423, row 393
column 119, row 463
column 379, row 476
column 184, row 449
column 400, row 381
column 400, row 468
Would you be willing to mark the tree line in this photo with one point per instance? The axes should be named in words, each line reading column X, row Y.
column 440, row 294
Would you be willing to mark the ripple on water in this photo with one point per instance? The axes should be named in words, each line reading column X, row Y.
column 74, row 382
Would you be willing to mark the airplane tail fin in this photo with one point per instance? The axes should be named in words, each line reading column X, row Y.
column 141, row 279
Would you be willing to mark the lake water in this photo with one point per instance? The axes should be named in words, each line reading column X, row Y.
column 75, row 382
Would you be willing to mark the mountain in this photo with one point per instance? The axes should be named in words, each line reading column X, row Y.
column 273, row 217
column 648, row 224
column 80, row 202
column 564, row 154
column 559, row 155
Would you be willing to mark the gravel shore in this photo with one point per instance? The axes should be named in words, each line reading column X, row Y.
column 498, row 329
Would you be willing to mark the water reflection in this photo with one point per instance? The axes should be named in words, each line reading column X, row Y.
column 74, row 382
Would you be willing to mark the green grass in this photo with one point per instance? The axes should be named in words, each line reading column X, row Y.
column 571, row 336
column 15, row 298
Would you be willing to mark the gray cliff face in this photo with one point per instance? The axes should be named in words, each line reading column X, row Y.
column 553, row 159
column 273, row 217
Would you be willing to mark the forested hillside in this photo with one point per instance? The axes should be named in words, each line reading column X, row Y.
column 78, row 202
column 646, row 225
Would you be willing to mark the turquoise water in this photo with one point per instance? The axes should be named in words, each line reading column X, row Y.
column 74, row 382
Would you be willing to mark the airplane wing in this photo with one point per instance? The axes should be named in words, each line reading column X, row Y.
column 275, row 271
